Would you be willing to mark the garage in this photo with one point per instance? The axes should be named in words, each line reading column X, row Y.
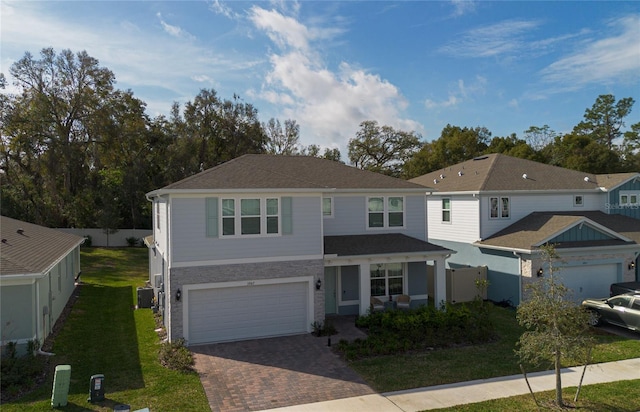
column 590, row 281
column 247, row 311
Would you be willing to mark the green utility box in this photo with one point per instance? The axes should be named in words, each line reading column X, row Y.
column 61, row 381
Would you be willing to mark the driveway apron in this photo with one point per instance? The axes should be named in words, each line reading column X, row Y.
column 276, row 372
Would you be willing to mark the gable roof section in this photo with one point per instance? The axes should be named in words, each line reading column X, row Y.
column 538, row 228
column 260, row 171
column 499, row 172
column 382, row 244
column 35, row 250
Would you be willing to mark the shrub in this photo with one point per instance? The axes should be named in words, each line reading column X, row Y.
column 132, row 241
column 176, row 356
column 398, row 331
column 326, row 329
column 87, row 241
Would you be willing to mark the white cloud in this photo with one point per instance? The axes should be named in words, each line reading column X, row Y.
column 460, row 93
column 328, row 105
column 174, row 31
column 602, row 61
column 462, row 7
column 506, row 37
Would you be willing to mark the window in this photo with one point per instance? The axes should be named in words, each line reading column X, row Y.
column 578, row 200
column 158, row 215
column 499, row 207
column 629, row 199
column 387, row 279
column 327, row 206
column 446, row 210
column 250, row 216
column 228, row 217
column 385, row 212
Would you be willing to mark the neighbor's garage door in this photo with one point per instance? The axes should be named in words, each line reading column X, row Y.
column 589, row 281
column 247, row 312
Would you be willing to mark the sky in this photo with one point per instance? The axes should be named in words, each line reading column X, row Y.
column 413, row 65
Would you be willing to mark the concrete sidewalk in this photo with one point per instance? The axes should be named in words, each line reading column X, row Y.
column 444, row 396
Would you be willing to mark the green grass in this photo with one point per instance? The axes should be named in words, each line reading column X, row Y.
column 437, row 367
column 105, row 334
column 605, row 397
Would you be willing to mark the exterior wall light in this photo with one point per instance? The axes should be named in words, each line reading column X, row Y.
column 318, row 284
column 632, row 265
column 540, row 272
column 178, row 295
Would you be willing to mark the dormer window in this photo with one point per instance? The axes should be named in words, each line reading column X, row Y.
column 578, row 200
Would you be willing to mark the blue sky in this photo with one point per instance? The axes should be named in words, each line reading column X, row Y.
column 413, row 65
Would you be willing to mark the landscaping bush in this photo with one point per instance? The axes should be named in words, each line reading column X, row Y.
column 176, row 356
column 398, row 331
column 132, row 241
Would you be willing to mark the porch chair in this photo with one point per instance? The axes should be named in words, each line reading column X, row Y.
column 403, row 302
column 376, row 304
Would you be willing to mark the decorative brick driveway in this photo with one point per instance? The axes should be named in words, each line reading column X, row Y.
column 271, row 373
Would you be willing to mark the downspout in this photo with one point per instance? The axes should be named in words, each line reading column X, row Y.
column 519, row 275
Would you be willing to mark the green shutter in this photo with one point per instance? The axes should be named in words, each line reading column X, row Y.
column 212, row 216
column 287, row 215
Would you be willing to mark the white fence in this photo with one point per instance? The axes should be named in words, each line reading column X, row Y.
column 118, row 239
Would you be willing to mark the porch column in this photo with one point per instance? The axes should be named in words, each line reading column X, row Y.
column 440, row 282
column 365, row 287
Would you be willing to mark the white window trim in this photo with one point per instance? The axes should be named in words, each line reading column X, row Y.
column 237, row 205
column 386, row 280
column 331, row 212
column 575, row 200
column 385, row 213
column 443, row 210
column 500, row 217
column 628, row 195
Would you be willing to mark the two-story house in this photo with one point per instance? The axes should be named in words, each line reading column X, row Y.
column 267, row 245
column 497, row 211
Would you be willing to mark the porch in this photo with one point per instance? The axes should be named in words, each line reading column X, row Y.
column 358, row 267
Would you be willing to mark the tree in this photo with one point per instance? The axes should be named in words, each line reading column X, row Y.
column 580, row 152
column 539, row 137
column 48, row 136
column 382, row 149
column 454, row 145
column 282, row 141
column 604, row 121
column 557, row 328
column 512, row 146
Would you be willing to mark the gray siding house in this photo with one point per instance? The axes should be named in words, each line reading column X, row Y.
column 497, row 211
column 267, row 245
column 38, row 269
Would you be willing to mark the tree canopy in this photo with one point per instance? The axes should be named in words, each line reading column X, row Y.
column 77, row 152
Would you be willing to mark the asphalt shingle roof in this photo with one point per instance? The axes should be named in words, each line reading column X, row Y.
column 261, row 171
column 381, row 244
column 538, row 227
column 32, row 250
column 499, row 172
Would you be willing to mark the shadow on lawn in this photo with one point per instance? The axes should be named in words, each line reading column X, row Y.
column 99, row 337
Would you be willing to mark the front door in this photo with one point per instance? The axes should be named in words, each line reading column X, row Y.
column 330, row 281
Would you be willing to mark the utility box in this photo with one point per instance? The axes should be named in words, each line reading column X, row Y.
column 96, row 388
column 61, row 381
column 145, row 297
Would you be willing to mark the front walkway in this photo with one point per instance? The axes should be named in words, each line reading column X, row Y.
column 277, row 372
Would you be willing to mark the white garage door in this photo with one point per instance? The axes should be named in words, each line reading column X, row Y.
column 589, row 281
column 247, row 312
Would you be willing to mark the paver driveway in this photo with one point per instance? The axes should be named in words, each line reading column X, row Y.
column 271, row 373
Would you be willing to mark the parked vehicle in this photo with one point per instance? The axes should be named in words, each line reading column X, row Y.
column 622, row 310
column 624, row 287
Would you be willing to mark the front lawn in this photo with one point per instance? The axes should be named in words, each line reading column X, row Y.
column 464, row 363
column 105, row 334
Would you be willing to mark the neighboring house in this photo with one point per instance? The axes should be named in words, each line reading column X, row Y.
column 38, row 270
column 268, row 245
column 497, row 211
